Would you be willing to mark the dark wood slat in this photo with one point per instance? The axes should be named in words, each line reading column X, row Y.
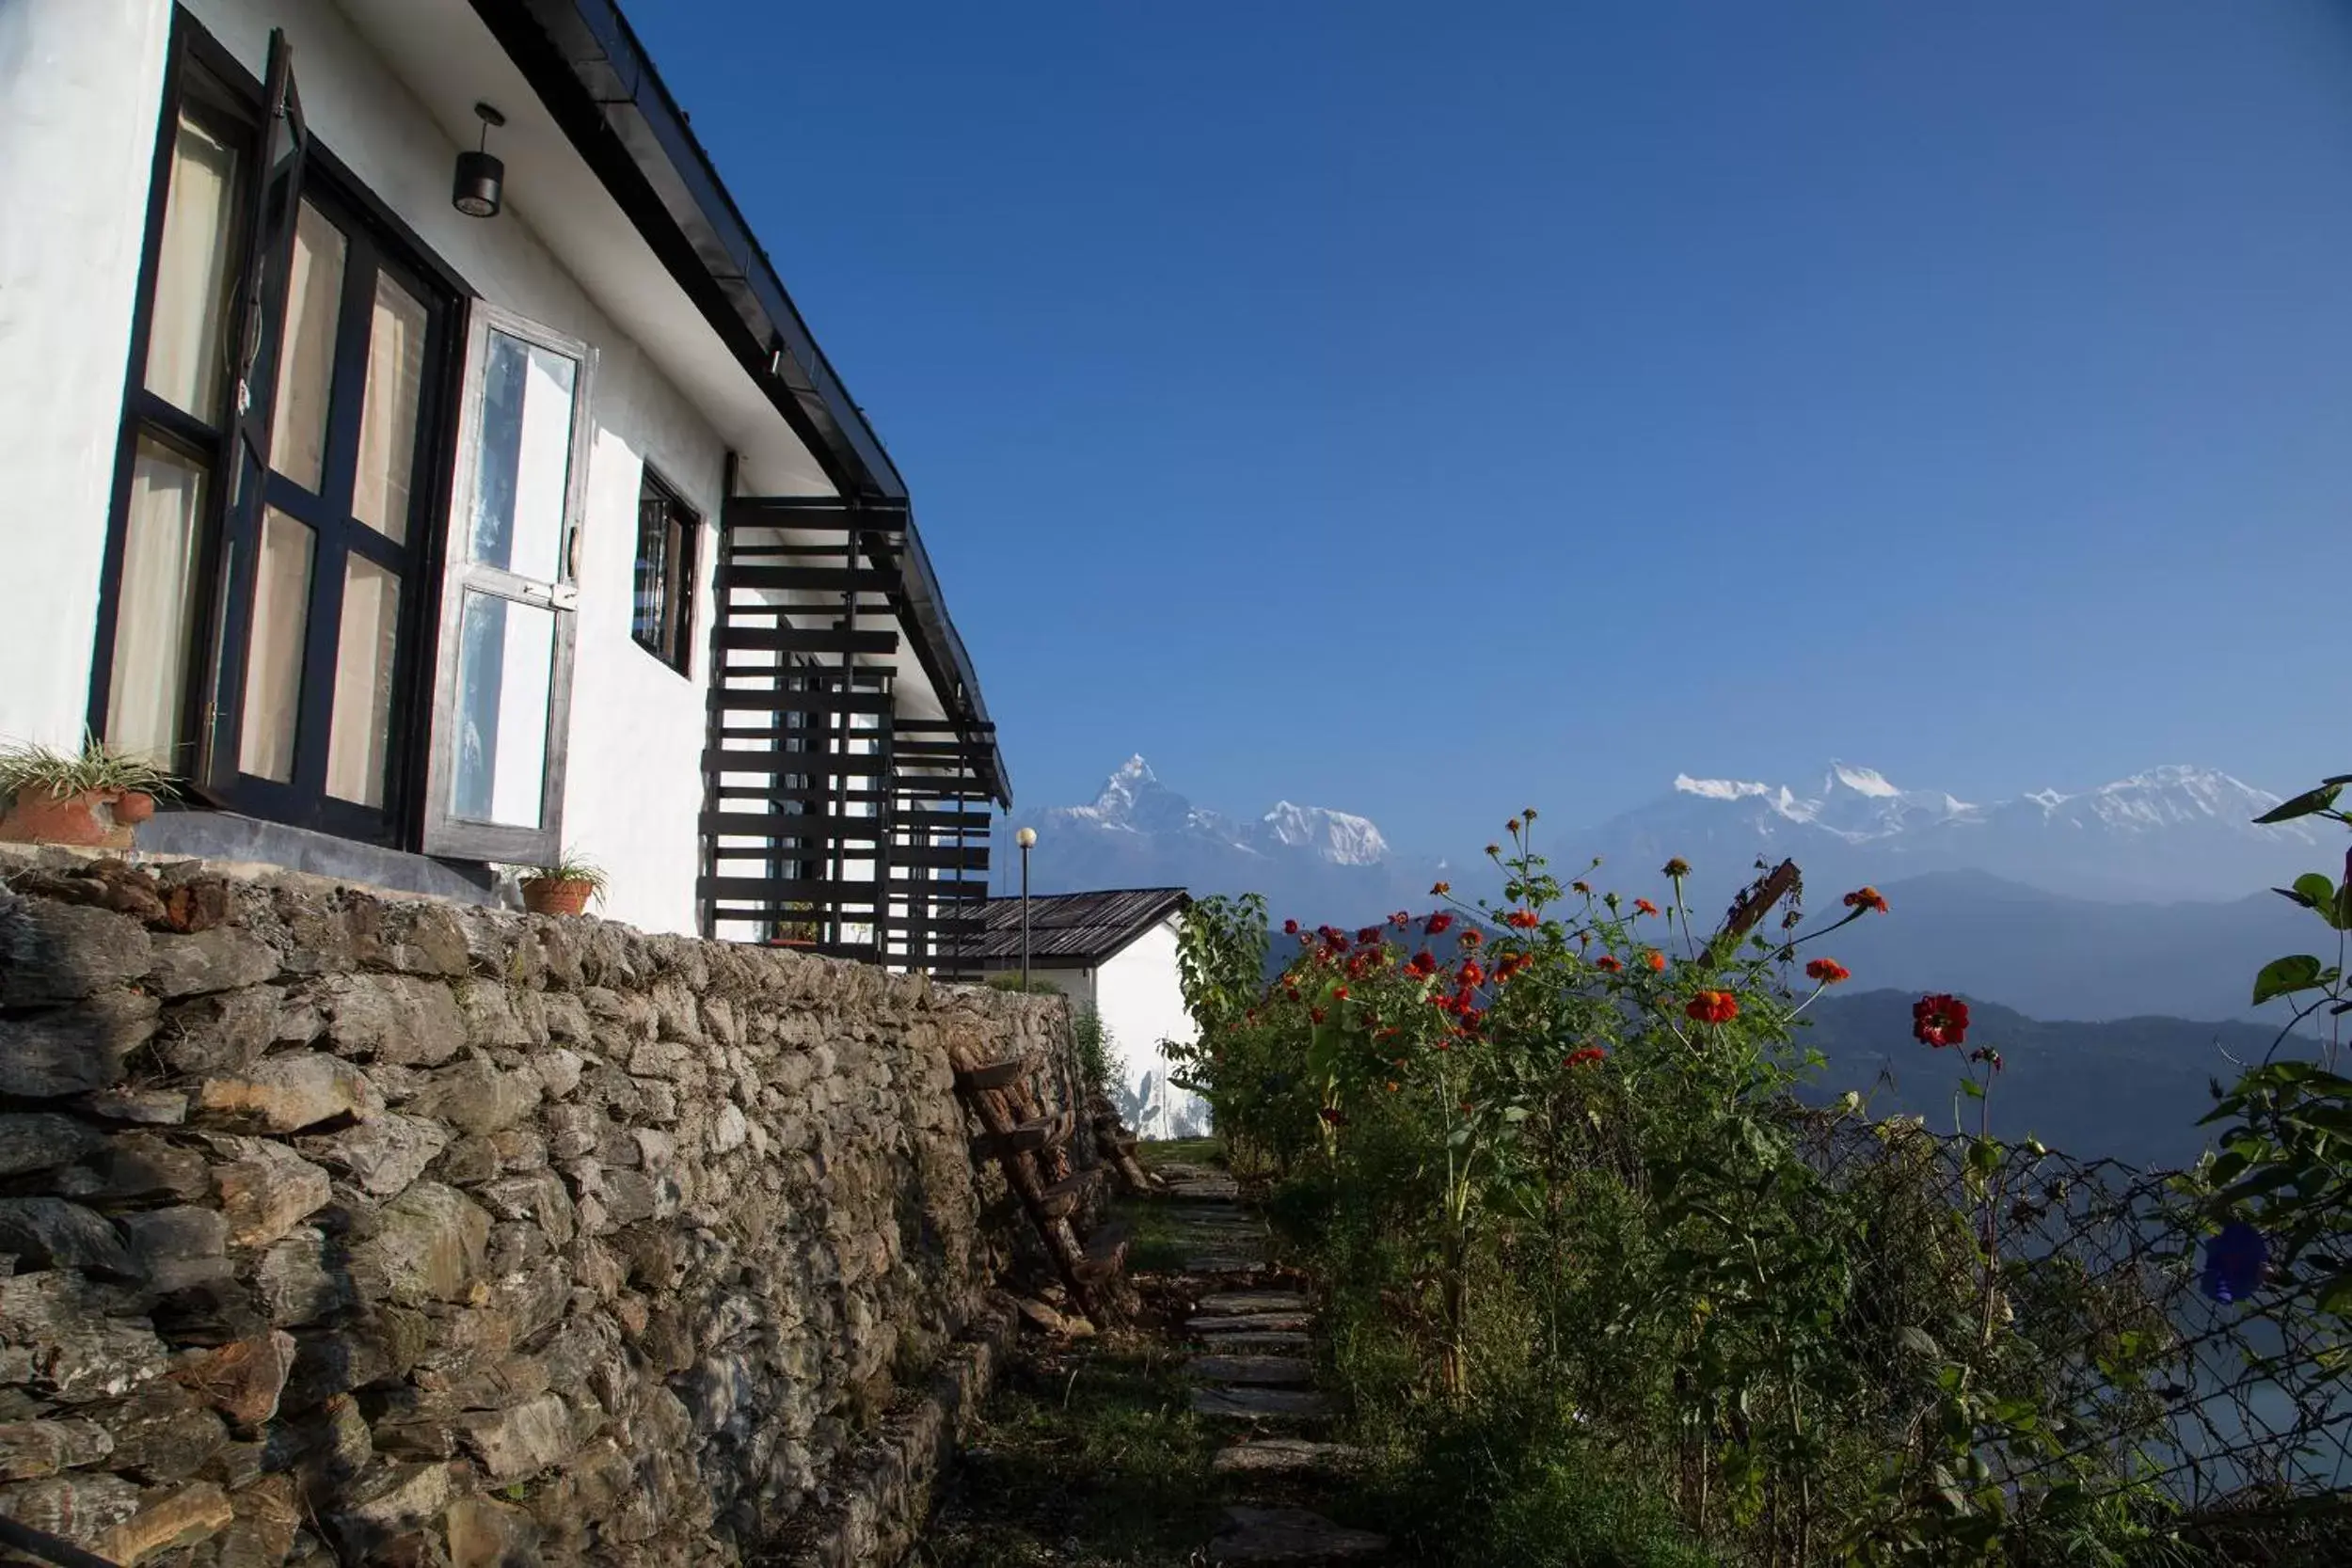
column 1106, row 1250
column 994, row 1075
column 1064, row 1197
column 1026, row 1138
column 923, row 857
column 736, row 699
column 813, row 579
column 809, row 827
column 815, row 795
column 818, row 764
column 808, row 640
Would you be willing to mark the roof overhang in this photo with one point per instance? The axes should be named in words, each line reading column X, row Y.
column 586, row 66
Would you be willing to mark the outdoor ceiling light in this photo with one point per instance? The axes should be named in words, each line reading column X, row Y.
column 481, row 178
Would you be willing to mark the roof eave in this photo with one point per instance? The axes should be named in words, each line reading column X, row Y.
column 585, row 63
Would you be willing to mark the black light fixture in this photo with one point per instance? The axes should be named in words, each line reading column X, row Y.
column 481, row 178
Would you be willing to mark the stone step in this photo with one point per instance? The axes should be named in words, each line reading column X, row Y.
column 1205, row 1192
column 1256, row 1341
column 1247, row 1323
column 1223, row 1262
column 1285, row 1456
column 1237, row 1302
column 1285, row 1369
column 1290, row 1535
column 1262, row 1404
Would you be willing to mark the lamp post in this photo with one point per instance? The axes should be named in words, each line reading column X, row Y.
column 1026, row 838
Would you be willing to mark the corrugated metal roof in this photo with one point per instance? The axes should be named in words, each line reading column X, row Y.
column 1074, row 927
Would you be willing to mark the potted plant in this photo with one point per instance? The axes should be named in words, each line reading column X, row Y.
column 563, row 888
column 93, row 798
column 796, row 933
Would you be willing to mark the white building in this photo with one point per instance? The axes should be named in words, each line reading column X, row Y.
column 1113, row 953
column 424, row 513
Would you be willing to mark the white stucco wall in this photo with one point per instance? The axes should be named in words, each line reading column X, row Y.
column 1142, row 1003
column 81, row 83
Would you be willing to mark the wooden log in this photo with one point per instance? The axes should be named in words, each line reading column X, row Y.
column 993, row 1075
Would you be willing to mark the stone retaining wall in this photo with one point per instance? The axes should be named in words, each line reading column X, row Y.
column 344, row 1226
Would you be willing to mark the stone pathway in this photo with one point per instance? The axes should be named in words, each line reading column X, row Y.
column 1250, row 1368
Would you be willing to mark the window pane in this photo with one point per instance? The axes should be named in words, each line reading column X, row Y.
column 524, row 464
column 192, row 273
column 273, row 655
column 653, row 522
column 155, row 609
column 306, row 358
column 506, row 661
column 360, row 732
column 387, row 410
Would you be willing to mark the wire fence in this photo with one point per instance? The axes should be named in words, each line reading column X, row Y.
column 2094, row 1308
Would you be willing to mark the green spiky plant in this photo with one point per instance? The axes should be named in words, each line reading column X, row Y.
column 30, row 765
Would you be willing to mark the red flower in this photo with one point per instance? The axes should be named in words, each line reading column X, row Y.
column 1400, row 920
column 1828, row 971
column 1439, row 924
column 1473, row 973
column 1642, row 905
column 1314, row 1015
column 1607, row 965
column 1290, row 927
column 1367, row 936
column 1713, row 1007
column 1291, row 992
column 1336, row 1119
column 1656, row 962
column 1423, row 963
column 1525, row 920
column 1866, row 899
column 1585, row 1055
column 1469, row 939
column 1939, row 1020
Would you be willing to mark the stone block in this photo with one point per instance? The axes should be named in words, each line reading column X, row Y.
column 301, row 1279
column 267, row 1191
column 473, row 1096
column 226, row 1032
column 290, row 1093
column 74, row 1050
column 430, row 1244
column 397, row 1019
column 381, row 1156
column 54, row 953
column 42, row 1140
column 225, row 958
column 185, row 1516
column 486, row 1534
column 31, row 1449
column 80, row 1508
column 52, row 1233
column 241, row 1380
column 519, row 1441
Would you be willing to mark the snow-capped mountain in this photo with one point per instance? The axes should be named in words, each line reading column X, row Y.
column 2171, row 832
column 1308, row 861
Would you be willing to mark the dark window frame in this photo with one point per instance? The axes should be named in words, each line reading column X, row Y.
column 670, row 638
column 202, row 78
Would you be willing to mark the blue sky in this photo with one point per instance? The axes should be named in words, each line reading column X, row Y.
column 1426, row 411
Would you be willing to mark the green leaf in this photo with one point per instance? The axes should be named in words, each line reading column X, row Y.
column 2302, row 805
column 2313, row 891
column 1918, row 1343
column 2283, row 977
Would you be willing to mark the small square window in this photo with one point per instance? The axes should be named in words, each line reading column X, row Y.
column 663, row 618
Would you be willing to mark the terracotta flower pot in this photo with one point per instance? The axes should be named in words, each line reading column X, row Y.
column 549, row 896
column 84, row 819
column 134, row 806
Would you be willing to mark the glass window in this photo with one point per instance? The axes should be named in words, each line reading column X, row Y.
column 306, row 357
column 387, row 410
column 156, row 603
column 361, row 728
column 523, row 476
column 273, row 655
column 505, row 662
column 186, row 336
column 662, row 617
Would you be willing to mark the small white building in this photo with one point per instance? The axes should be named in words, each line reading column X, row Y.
column 1113, row 953
column 412, row 448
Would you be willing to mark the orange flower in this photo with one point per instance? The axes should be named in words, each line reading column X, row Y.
column 1642, row 905
column 1525, row 920
column 1829, row 971
column 1866, row 899
column 1607, row 965
column 1440, row 890
column 1713, row 1007
column 1469, row 939
column 1585, row 1055
column 1655, row 961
